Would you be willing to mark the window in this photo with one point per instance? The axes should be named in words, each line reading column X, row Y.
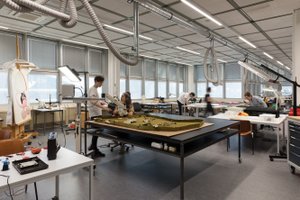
column 74, row 57
column 199, row 75
column 95, row 64
column 43, row 53
column 149, row 89
column 172, row 75
column 162, row 70
column 216, row 91
column 172, row 90
column 233, row 89
column 180, row 89
column 42, row 86
column 3, row 87
column 8, row 47
column 122, row 86
column 181, row 74
column 135, row 88
column 287, row 90
column 162, row 89
column 201, row 89
column 136, row 71
column 150, row 69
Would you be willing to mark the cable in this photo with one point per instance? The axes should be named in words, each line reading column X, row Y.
column 7, row 181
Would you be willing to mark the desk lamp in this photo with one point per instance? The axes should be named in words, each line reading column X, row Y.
column 71, row 74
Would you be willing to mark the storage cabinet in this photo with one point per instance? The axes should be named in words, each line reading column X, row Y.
column 294, row 145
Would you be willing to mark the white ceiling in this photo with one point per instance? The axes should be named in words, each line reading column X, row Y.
column 273, row 33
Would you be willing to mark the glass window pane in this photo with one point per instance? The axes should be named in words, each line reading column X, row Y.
column 162, row 70
column 162, row 88
column 122, row 86
column 233, row 89
column 136, row 71
column 150, row 68
column 95, row 58
column 287, row 90
column 43, row 53
column 135, row 88
column 42, row 86
column 8, row 47
column 149, row 89
column 172, row 72
column 172, row 90
column 3, row 88
column 216, row 91
column 232, row 71
column 123, row 70
column 180, row 89
column 199, row 76
column 201, row 89
column 181, row 74
column 74, row 57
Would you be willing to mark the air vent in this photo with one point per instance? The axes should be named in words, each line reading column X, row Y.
column 30, row 17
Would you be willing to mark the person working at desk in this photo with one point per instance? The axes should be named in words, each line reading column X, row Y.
column 254, row 100
column 208, row 101
column 95, row 108
column 183, row 100
column 128, row 106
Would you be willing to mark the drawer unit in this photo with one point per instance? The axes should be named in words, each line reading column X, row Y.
column 294, row 144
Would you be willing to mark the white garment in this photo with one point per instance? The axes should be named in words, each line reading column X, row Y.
column 94, row 110
column 184, row 97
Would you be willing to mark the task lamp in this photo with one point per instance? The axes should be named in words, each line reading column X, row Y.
column 255, row 70
column 71, row 74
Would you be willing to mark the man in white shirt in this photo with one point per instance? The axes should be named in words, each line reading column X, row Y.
column 183, row 100
column 95, row 108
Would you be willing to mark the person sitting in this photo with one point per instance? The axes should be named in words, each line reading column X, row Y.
column 254, row 100
column 128, row 109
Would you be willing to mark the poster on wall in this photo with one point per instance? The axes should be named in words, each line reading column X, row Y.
column 19, row 95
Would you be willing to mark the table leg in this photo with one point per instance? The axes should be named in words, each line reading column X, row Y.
column 239, row 144
column 181, row 171
column 57, row 186
column 91, row 185
column 44, row 125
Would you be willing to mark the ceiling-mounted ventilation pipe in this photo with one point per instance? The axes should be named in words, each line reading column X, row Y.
column 67, row 20
column 136, row 21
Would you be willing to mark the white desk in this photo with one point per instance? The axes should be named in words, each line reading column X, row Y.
column 278, row 123
column 199, row 106
column 66, row 161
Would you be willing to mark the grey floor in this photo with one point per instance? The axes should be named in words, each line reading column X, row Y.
column 212, row 174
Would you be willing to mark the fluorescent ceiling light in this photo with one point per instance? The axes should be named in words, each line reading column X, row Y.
column 280, row 63
column 246, row 41
column 3, row 27
column 268, row 55
column 187, row 50
column 255, row 70
column 125, row 31
column 201, row 12
column 222, row 60
column 287, row 68
column 155, row 58
column 71, row 74
column 83, row 43
column 183, row 63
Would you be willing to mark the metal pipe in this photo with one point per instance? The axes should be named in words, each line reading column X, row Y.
column 136, row 21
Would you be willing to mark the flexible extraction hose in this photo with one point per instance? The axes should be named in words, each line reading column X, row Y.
column 68, row 20
column 214, row 65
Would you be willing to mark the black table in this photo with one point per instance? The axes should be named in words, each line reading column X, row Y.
column 185, row 143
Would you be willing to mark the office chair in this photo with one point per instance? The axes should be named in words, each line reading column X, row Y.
column 245, row 129
column 12, row 146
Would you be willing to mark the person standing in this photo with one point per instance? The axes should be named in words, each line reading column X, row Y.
column 183, row 100
column 254, row 100
column 208, row 101
column 95, row 108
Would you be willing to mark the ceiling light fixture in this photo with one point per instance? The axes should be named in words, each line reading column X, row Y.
column 181, row 63
column 288, row 68
column 201, row 12
column 222, row 60
column 246, row 41
column 3, row 27
column 83, row 43
column 280, row 63
column 155, row 58
column 268, row 55
column 187, row 50
column 125, row 31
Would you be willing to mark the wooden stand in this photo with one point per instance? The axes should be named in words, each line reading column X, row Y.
column 18, row 132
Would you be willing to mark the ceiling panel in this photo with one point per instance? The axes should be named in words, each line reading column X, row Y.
column 88, row 40
column 245, row 29
column 177, row 30
column 196, row 37
column 167, row 50
column 59, row 34
column 151, row 46
column 186, row 11
column 128, row 41
column 154, row 20
column 280, row 32
column 283, row 39
column 276, row 23
column 177, row 41
column 121, row 7
column 214, row 6
column 158, row 35
column 232, row 18
column 17, row 25
column 128, row 25
column 111, row 34
column 103, row 16
column 79, row 28
column 163, row 43
column 225, row 32
column 207, row 23
column 247, row 2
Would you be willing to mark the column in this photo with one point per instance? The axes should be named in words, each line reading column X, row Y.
column 113, row 72
column 296, row 50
